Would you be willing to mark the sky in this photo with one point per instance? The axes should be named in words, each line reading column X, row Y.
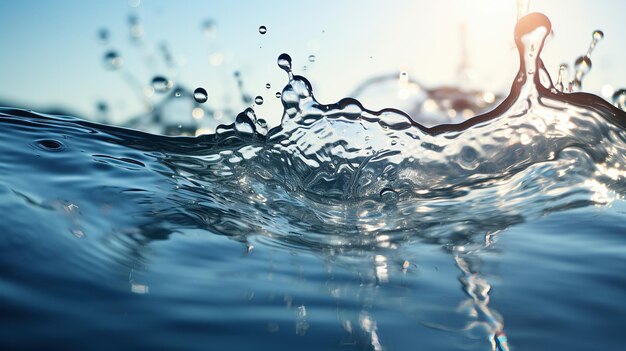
column 52, row 56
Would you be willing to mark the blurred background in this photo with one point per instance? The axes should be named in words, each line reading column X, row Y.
column 97, row 60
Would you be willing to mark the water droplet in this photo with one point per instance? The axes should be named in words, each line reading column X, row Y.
column 598, row 35
column 261, row 125
column 284, row 62
column 178, row 92
column 161, row 84
column 562, row 75
column 583, row 65
column 312, row 58
column 258, row 100
column 136, row 28
column 103, row 35
column 209, row 28
column 112, row 60
column 278, row 94
column 268, row 85
column 102, row 106
column 262, row 29
column 200, row 95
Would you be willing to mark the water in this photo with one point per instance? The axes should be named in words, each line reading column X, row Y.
column 340, row 229
column 161, row 84
column 200, row 95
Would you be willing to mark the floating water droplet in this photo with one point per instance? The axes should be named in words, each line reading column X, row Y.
column 258, row 100
column 598, row 35
column 136, row 28
column 582, row 64
column 102, row 107
column 278, row 94
column 200, row 95
column 262, row 29
column 209, row 28
column 103, row 35
column 161, row 84
column 268, row 85
column 312, row 58
column 284, row 62
column 178, row 92
column 112, row 60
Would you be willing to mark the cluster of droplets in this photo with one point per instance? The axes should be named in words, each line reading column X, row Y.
column 582, row 66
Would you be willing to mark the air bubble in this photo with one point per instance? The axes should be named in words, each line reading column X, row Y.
column 161, row 84
column 258, row 100
column 200, row 95
column 262, row 29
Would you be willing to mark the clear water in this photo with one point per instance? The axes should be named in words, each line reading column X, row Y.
column 340, row 229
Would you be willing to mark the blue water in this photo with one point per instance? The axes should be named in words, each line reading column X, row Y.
column 340, row 229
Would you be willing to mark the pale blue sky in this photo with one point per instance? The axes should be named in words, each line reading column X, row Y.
column 51, row 55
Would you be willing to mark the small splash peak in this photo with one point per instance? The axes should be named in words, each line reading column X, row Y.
column 245, row 122
column 531, row 32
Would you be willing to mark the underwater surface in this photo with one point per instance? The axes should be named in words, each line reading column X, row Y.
column 340, row 229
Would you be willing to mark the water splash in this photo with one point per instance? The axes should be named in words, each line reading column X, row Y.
column 582, row 65
column 344, row 180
